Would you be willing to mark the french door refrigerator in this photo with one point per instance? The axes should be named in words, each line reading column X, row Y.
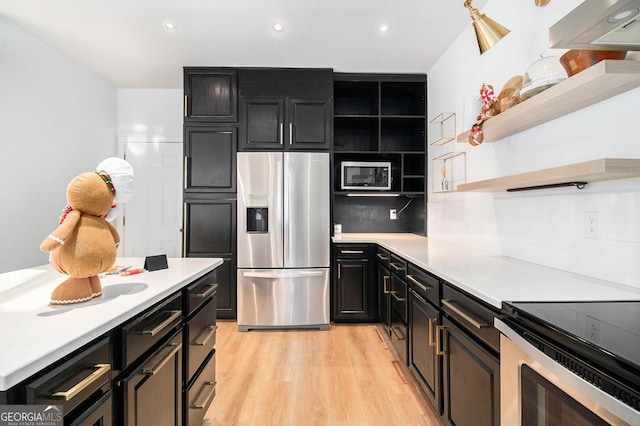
column 283, row 240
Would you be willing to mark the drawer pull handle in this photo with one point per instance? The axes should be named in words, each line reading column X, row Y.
column 398, row 299
column 382, row 257
column 468, row 317
column 206, row 334
column 101, row 370
column 351, row 252
column 207, row 293
column 393, row 330
column 432, row 341
column 396, row 267
column 418, row 283
column 201, row 406
column 385, row 282
column 439, row 349
column 156, row 368
column 161, row 326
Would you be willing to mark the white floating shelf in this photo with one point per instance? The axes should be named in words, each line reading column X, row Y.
column 597, row 83
column 588, row 171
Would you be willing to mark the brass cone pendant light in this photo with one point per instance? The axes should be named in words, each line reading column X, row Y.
column 488, row 31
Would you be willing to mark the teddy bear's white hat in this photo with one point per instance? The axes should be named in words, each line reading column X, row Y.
column 122, row 177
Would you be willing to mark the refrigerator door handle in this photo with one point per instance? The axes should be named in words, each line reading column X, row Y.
column 290, row 274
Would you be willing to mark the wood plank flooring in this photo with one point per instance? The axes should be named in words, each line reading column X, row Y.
column 345, row 376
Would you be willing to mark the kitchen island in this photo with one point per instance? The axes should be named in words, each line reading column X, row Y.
column 134, row 330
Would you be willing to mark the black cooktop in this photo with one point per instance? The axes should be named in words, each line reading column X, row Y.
column 607, row 333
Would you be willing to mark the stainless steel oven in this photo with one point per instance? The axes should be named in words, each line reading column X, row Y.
column 549, row 375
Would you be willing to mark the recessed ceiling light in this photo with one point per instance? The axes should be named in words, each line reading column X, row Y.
column 384, row 28
column 278, row 27
column 169, row 26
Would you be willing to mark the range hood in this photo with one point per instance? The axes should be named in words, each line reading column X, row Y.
column 599, row 25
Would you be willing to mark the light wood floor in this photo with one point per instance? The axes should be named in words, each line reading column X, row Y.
column 346, row 376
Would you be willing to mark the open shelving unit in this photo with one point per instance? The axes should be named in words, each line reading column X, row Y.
column 576, row 174
column 599, row 82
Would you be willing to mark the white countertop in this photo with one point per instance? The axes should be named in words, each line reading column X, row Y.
column 35, row 334
column 495, row 278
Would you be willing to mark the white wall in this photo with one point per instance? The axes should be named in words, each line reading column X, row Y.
column 545, row 226
column 57, row 120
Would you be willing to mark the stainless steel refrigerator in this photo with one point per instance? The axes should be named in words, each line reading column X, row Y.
column 283, row 240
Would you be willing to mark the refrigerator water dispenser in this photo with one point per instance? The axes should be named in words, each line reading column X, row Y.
column 258, row 220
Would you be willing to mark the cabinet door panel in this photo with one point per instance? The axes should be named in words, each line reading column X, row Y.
column 471, row 381
column 152, row 394
column 227, row 288
column 210, row 226
column 211, row 159
column 424, row 362
column 210, row 95
column 352, row 287
column 309, row 123
column 262, row 123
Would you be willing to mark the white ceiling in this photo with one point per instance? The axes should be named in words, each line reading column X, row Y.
column 124, row 40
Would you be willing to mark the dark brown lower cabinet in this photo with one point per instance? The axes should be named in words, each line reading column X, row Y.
column 471, row 378
column 152, row 392
column 354, row 291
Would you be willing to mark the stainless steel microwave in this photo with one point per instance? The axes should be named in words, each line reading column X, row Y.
column 367, row 175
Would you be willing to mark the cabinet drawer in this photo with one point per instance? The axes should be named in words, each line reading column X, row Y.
column 147, row 330
column 399, row 336
column 77, row 383
column 398, row 266
column 351, row 251
column 200, row 337
column 383, row 257
column 199, row 395
column 472, row 315
column 398, row 294
column 423, row 283
column 199, row 292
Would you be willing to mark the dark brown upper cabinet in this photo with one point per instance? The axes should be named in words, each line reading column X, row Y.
column 285, row 109
column 210, row 95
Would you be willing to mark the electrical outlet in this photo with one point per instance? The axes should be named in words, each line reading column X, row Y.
column 592, row 224
column 393, row 215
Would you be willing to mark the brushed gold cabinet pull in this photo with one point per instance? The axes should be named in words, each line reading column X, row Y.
column 385, row 281
column 156, row 368
column 207, row 333
column 290, row 133
column 185, row 105
column 281, row 133
column 161, row 326
column 205, row 294
column 439, row 343
column 186, row 165
column 339, row 269
column 468, row 317
column 418, row 283
column 398, row 299
column 101, row 370
column 432, row 321
column 396, row 267
column 382, row 257
column 207, row 398
column 351, row 252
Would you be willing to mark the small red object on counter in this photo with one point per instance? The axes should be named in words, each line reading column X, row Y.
column 132, row 272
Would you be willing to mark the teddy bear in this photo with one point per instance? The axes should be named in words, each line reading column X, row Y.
column 85, row 244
